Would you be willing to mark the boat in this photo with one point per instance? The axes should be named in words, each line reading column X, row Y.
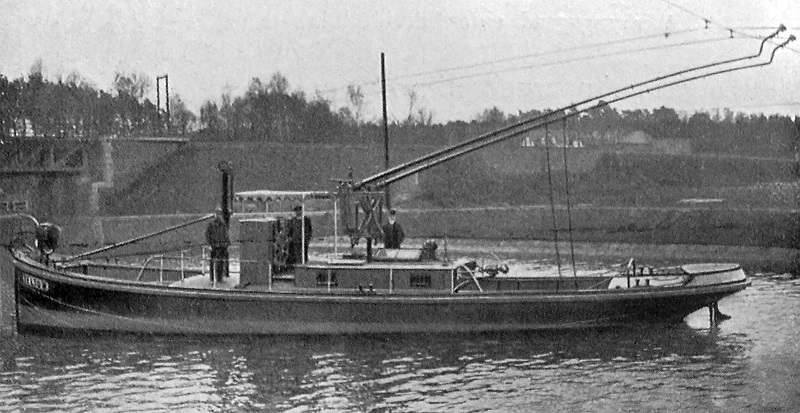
column 406, row 290
column 357, row 290
column 396, row 292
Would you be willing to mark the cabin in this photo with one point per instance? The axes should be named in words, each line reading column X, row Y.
column 407, row 271
column 387, row 270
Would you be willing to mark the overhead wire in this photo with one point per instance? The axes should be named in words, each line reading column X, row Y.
column 572, row 60
column 547, row 53
column 760, row 28
column 665, row 34
column 419, row 164
column 699, row 16
column 731, row 29
column 564, row 61
column 425, row 162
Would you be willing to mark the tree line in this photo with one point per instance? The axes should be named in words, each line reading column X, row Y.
column 71, row 107
column 270, row 111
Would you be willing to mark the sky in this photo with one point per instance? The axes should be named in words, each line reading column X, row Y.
column 458, row 58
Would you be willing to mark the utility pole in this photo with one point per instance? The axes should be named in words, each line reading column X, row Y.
column 385, row 129
column 158, row 101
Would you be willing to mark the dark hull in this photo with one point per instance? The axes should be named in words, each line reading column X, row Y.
column 53, row 299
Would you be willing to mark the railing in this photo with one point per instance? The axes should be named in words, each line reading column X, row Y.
column 161, row 258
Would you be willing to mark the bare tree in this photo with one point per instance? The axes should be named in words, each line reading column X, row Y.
column 356, row 101
column 412, row 100
column 424, row 117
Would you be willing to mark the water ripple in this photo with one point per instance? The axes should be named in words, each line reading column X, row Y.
column 748, row 362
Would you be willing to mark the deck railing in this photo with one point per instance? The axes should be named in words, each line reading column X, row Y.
column 161, row 259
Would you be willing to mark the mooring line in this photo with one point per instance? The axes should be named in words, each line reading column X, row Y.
column 569, row 208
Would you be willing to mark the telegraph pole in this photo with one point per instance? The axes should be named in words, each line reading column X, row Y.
column 385, row 130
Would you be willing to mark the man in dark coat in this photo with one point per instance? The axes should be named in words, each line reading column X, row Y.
column 217, row 238
column 299, row 237
column 393, row 234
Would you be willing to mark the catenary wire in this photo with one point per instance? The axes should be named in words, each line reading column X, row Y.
column 666, row 34
column 564, row 61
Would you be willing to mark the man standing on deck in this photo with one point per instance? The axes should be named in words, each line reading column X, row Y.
column 217, row 238
column 299, row 237
column 393, row 234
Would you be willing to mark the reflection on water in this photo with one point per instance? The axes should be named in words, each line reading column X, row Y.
column 747, row 364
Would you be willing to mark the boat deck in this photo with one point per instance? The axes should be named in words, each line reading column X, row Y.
column 204, row 282
column 280, row 283
column 389, row 277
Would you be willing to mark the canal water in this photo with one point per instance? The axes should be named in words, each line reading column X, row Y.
column 750, row 362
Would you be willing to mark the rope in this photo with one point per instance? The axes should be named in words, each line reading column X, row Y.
column 552, row 199
column 178, row 248
column 569, row 208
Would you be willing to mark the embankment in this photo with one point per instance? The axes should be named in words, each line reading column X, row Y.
column 761, row 239
column 187, row 180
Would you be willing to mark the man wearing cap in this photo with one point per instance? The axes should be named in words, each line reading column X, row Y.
column 393, row 234
column 217, row 238
column 299, row 237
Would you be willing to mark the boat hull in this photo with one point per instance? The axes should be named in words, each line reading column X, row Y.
column 52, row 299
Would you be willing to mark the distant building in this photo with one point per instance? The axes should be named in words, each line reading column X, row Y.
column 538, row 141
column 528, row 142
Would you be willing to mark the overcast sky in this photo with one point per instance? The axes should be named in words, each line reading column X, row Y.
column 458, row 57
